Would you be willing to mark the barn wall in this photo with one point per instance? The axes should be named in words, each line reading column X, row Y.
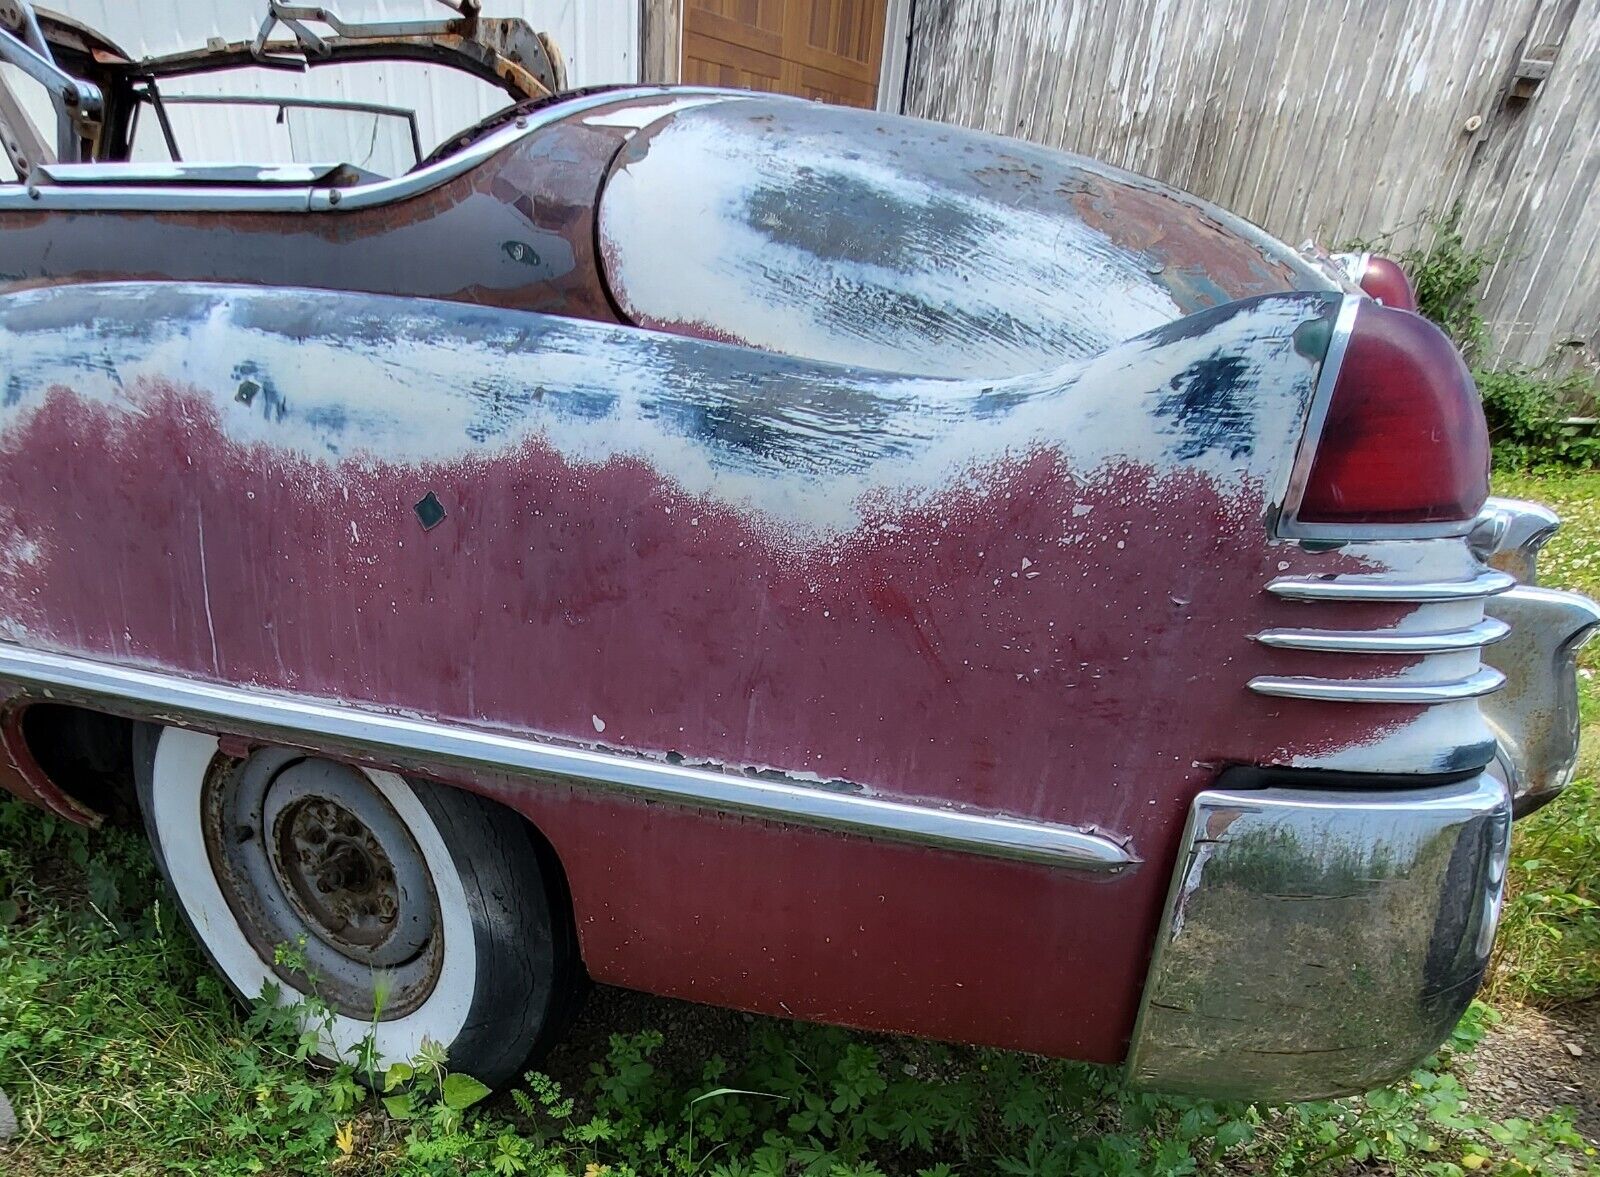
column 1335, row 119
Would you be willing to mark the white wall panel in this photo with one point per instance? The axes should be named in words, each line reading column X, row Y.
column 1336, row 119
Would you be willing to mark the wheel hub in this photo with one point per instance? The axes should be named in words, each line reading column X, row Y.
column 310, row 853
column 337, row 870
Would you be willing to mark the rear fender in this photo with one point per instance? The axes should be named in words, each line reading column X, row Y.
column 1025, row 601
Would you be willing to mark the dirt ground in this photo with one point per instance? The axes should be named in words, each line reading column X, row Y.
column 1538, row 1060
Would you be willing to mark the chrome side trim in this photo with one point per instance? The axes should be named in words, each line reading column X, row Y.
column 1385, row 641
column 1320, row 943
column 406, row 742
column 1317, row 414
column 358, row 196
column 1379, row 690
column 1384, row 588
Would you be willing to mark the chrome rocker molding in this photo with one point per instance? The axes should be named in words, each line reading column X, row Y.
column 110, row 195
column 404, row 742
column 1380, row 690
column 1319, row 943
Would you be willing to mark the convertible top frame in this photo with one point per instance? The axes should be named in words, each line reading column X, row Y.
column 94, row 85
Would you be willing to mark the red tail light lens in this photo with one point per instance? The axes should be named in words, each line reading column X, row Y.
column 1404, row 439
column 1385, row 281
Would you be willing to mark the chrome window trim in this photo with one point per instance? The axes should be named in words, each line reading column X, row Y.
column 1379, row 690
column 1380, row 641
column 302, row 175
column 1382, row 588
column 404, row 741
column 1288, row 524
column 81, row 198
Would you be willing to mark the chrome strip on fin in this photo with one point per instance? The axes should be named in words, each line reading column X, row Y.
column 1385, row 588
column 1386, row 641
column 1379, row 690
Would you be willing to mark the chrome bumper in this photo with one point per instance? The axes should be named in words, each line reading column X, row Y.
column 1319, row 943
column 1535, row 716
column 1323, row 942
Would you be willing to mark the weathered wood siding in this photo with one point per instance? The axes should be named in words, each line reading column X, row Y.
column 1335, row 119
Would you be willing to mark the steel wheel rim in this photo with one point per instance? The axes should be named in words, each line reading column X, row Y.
column 309, row 854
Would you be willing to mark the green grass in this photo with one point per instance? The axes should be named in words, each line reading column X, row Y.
column 1549, row 942
column 123, row 1054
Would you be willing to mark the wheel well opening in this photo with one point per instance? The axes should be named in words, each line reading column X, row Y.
column 86, row 754
column 562, row 912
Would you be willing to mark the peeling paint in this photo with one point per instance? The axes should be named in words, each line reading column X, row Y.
column 950, row 591
column 878, row 241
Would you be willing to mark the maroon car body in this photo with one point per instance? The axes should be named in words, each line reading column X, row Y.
column 866, row 554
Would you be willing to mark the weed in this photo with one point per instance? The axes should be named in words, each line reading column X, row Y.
column 1445, row 274
column 126, row 1056
column 1527, row 412
column 1528, row 418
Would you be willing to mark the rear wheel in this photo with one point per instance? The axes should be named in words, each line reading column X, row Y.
column 413, row 911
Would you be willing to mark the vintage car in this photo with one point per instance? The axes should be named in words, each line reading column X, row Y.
column 792, row 558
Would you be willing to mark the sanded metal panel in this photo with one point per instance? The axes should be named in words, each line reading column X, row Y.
column 945, row 592
column 873, row 239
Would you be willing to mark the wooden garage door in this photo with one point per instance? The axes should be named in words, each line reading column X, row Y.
column 827, row 49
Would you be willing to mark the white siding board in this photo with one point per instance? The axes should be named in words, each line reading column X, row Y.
column 1337, row 119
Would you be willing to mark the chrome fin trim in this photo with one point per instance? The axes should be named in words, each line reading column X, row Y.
column 1385, row 588
column 1536, row 719
column 1380, row 641
column 404, row 741
column 1379, row 690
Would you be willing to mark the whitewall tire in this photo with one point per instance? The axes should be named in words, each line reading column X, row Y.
column 413, row 911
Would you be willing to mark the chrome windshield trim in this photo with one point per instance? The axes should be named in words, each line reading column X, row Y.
column 404, row 741
column 357, row 196
column 1383, row 641
column 1379, row 690
column 1382, row 588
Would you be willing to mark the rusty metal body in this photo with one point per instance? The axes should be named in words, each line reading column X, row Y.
column 917, row 615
